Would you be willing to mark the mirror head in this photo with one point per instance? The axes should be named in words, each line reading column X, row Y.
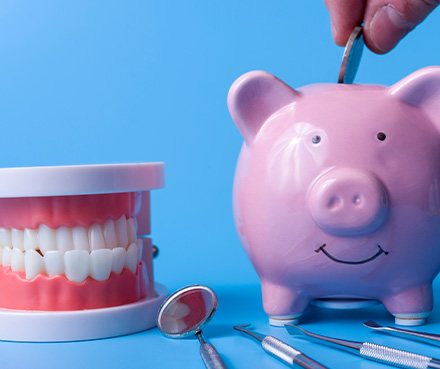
column 186, row 311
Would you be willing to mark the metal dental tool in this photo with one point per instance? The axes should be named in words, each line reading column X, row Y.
column 371, row 351
column 403, row 332
column 184, row 313
column 281, row 350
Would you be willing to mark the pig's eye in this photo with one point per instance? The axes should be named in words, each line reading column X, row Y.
column 316, row 139
column 381, row 136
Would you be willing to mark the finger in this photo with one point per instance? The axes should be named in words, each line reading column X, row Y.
column 386, row 22
column 345, row 15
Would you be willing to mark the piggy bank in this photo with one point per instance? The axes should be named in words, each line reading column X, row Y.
column 337, row 191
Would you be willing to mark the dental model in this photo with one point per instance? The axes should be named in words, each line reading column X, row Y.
column 69, row 245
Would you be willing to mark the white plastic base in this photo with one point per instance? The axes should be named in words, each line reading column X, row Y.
column 411, row 320
column 58, row 326
column 281, row 321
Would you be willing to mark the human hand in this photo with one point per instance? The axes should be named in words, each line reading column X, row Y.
column 386, row 22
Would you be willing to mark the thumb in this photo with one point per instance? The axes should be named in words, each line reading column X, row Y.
column 386, row 22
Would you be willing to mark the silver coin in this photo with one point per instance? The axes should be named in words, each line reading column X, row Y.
column 352, row 56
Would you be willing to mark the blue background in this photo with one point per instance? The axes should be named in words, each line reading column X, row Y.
column 100, row 82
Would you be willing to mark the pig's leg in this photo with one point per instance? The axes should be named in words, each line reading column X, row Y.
column 410, row 306
column 283, row 304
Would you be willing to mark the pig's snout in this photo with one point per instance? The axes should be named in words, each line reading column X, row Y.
column 348, row 202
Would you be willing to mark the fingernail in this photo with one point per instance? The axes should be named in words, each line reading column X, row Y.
column 387, row 27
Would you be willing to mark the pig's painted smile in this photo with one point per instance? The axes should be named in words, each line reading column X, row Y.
column 377, row 254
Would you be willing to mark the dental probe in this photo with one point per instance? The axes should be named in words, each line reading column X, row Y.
column 281, row 350
column 408, row 334
column 371, row 351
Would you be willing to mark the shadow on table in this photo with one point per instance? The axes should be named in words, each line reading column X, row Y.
column 241, row 304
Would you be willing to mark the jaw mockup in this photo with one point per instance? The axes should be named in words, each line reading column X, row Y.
column 74, row 241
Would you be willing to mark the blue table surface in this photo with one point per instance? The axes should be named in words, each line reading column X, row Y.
column 85, row 82
column 237, row 304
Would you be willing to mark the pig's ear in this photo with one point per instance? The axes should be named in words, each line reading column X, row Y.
column 421, row 89
column 254, row 97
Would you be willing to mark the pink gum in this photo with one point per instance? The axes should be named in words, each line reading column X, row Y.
column 69, row 211
column 58, row 293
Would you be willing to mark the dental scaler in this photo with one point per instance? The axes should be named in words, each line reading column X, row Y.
column 372, row 351
column 281, row 350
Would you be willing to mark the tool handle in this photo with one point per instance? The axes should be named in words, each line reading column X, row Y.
column 306, row 362
column 407, row 332
column 288, row 354
column 210, row 357
column 400, row 358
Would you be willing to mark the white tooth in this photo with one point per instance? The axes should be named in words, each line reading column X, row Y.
column 46, row 239
column 179, row 310
column 64, row 239
column 33, row 264
column 30, row 239
column 80, row 238
column 110, row 234
column 177, row 325
column 121, row 231
column 17, row 238
column 132, row 259
column 118, row 260
column 140, row 248
column 131, row 229
column 96, row 237
column 76, row 263
column 6, row 257
column 5, row 237
column 17, row 260
column 54, row 262
column 100, row 264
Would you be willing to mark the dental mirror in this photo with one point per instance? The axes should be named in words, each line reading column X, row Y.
column 184, row 313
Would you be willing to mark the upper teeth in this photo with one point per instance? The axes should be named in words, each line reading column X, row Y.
column 111, row 234
column 77, row 252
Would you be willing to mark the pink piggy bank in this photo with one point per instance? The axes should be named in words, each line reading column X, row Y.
column 337, row 191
